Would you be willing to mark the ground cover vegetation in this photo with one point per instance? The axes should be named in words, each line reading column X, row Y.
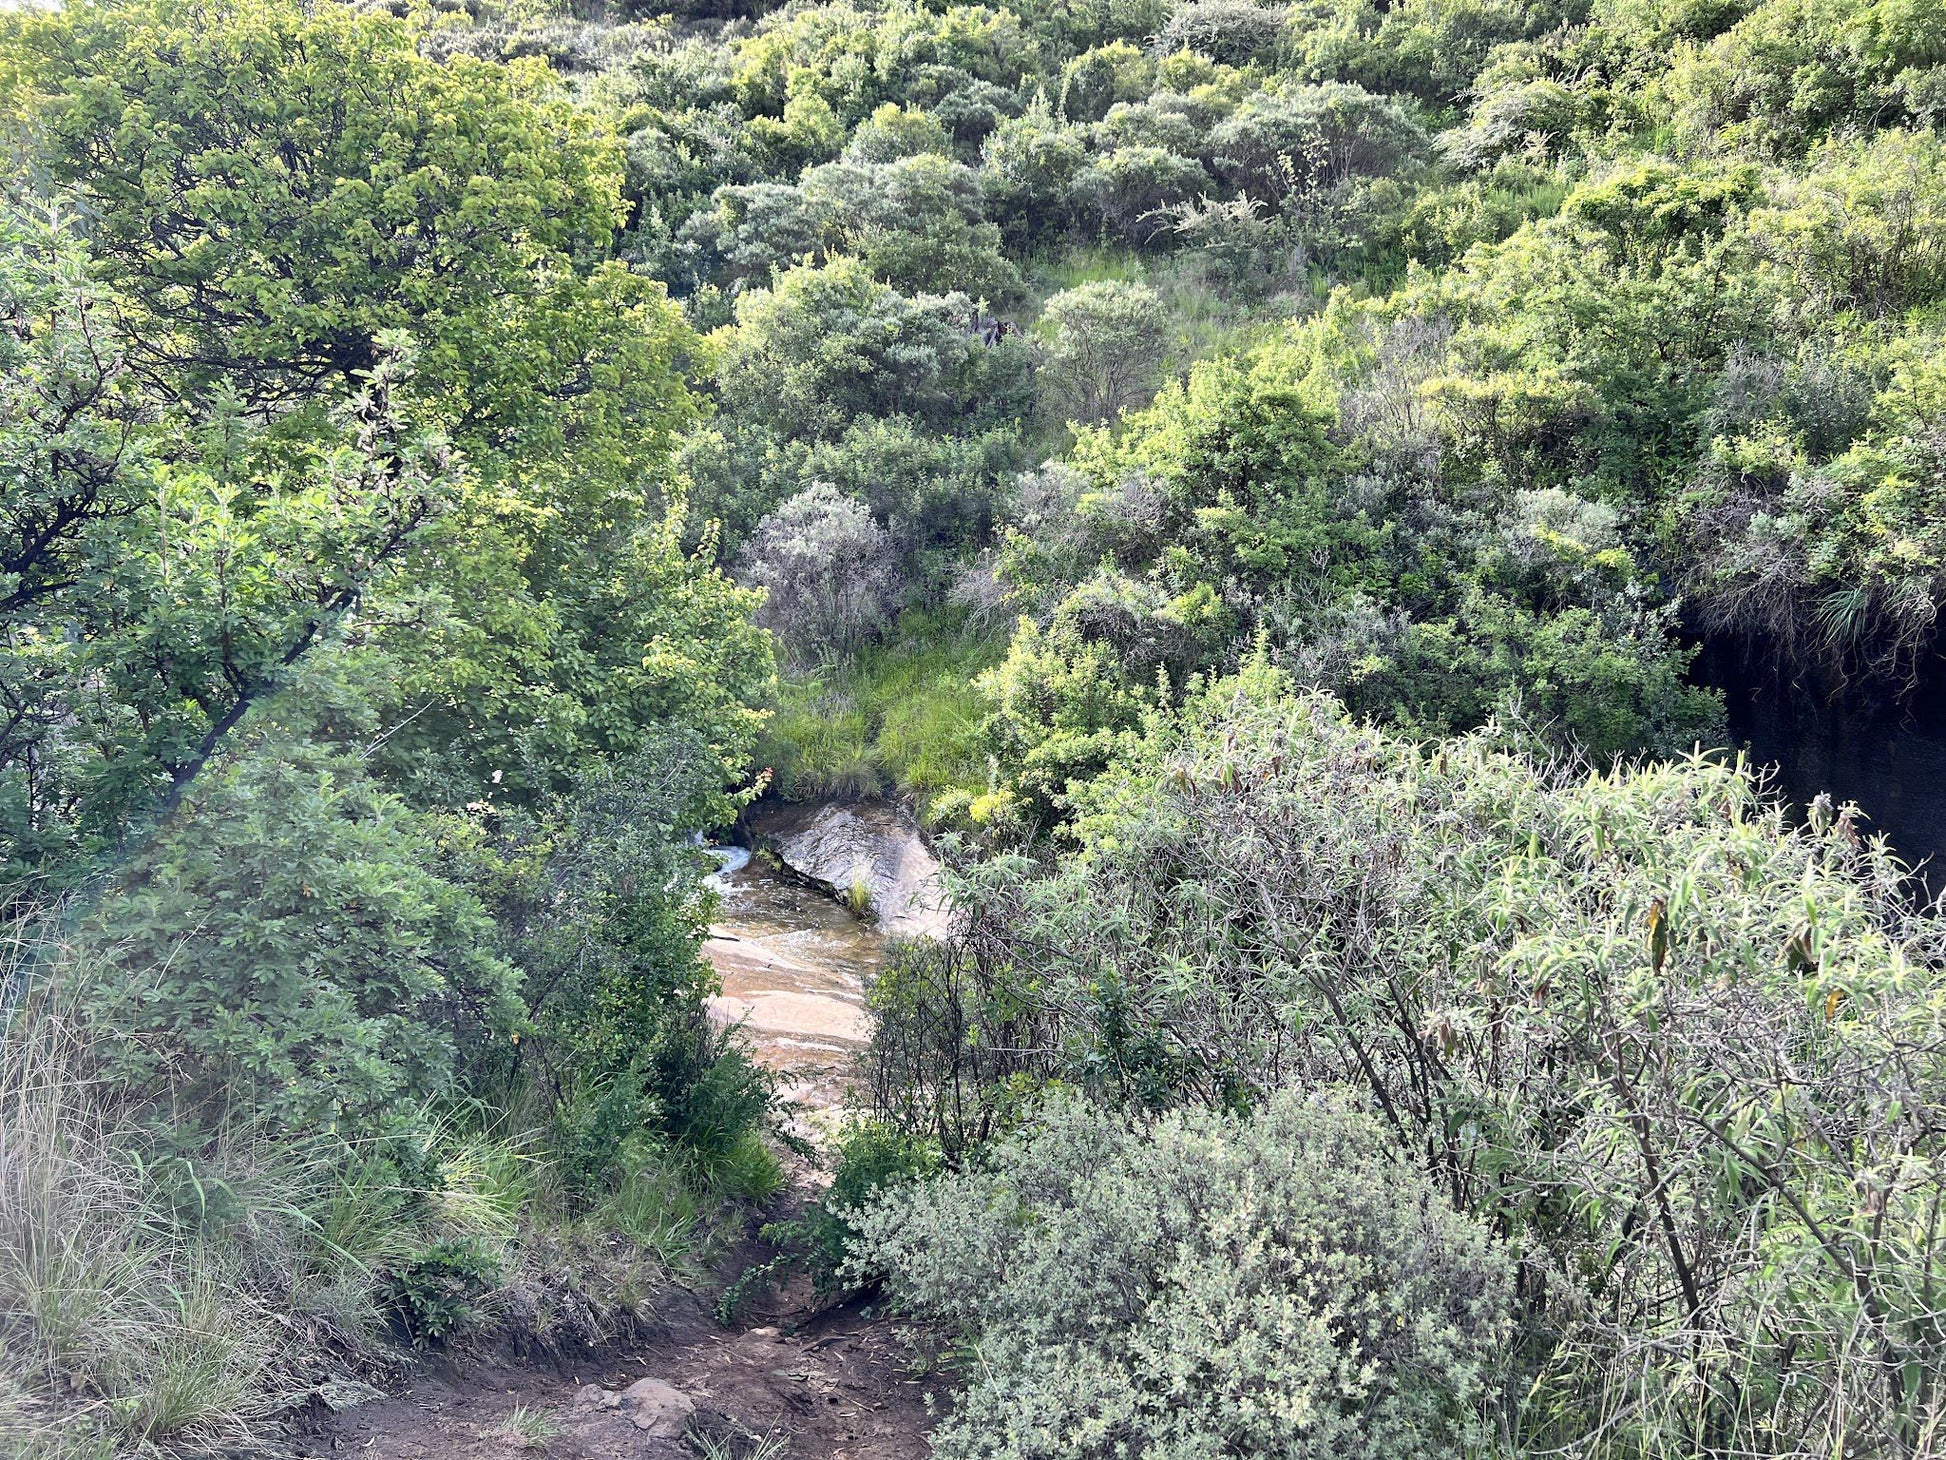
column 1256, row 475
column 1678, row 1061
column 1498, row 353
column 1470, row 364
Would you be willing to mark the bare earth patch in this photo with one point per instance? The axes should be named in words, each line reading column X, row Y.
column 837, row 1389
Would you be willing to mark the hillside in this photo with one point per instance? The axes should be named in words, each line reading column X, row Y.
column 1394, row 550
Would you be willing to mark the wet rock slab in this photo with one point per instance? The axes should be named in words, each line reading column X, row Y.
column 869, row 844
column 792, row 962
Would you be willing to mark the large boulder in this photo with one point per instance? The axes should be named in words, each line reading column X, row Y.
column 868, row 846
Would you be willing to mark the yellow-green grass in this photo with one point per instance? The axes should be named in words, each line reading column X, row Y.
column 901, row 718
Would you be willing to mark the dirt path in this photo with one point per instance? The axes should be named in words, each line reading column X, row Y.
column 831, row 1386
column 836, row 1389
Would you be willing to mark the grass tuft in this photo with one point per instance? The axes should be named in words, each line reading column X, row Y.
column 529, row 1429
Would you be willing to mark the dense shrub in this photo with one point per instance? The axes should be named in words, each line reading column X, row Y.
column 1232, row 32
column 823, row 1241
column 284, row 954
column 1278, row 1283
column 893, row 132
column 1791, row 71
column 1675, row 1047
column 1105, row 348
column 1132, row 189
column 1027, row 171
column 827, row 572
column 1428, row 49
column 914, row 221
column 1299, row 140
column 937, row 496
column 829, row 345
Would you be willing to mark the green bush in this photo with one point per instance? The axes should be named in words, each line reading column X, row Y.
column 1230, row 32
column 1279, row 1283
column 1105, row 348
column 285, row 953
column 872, row 1159
column 1636, row 1020
column 435, row 1294
column 827, row 346
column 595, row 897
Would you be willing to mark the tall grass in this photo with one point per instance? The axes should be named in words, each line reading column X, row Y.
column 153, row 1299
column 118, row 1327
column 900, row 717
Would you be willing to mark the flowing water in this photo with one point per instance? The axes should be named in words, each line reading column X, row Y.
column 793, row 965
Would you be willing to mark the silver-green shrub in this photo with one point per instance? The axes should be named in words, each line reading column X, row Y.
column 827, row 571
column 1200, row 1284
column 1690, row 1056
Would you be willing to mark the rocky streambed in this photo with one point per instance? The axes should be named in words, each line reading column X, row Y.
column 793, row 956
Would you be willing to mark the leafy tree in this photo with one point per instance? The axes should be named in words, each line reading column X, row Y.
column 144, row 628
column 72, row 437
column 74, row 443
column 462, row 202
column 273, row 186
column 488, row 677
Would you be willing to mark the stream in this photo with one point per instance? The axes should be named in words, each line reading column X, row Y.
column 793, row 965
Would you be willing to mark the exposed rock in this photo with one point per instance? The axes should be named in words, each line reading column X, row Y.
column 819, row 1021
column 658, row 1408
column 867, row 844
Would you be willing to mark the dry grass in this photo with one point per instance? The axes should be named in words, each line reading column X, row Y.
column 117, row 1329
